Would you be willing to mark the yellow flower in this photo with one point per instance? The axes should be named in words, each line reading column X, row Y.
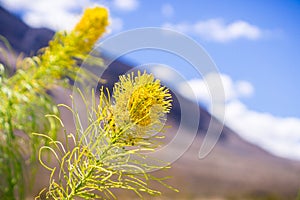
column 92, row 25
column 141, row 98
column 65, row 50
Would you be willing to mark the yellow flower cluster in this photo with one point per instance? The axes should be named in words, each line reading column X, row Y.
column 108, row 155
column 92, row 25
column 144, row 97
column 140, row 104
column 66, row 49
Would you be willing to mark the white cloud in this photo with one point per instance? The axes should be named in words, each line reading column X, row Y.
column 279, row 135
column 59, row 20
column 201, row 90
column 55, row 14
column 276, row 134
column 181, row 27
column 195, row 88
column 216, row 30
column 15, row 4
column 116, row 24
column 167, row 10
column 164, row 73
column 244, row 88
column 126, row 5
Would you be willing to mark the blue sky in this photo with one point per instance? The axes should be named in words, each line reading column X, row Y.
column 255, row 45
column 270, row 63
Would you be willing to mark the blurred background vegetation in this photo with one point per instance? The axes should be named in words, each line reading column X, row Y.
column 25, row 99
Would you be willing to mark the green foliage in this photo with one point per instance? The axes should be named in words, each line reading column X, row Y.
column 25, row 100
column 24, row 104
column 108, row 154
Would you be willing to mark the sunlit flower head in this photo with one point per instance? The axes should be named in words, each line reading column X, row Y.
column 141, row 98
column 92, row 24
column 66, row 49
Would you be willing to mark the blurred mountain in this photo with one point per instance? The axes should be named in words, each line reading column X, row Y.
column 235, row 169
column 21, row 37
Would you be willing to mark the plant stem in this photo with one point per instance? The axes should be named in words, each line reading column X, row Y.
column 78, row 185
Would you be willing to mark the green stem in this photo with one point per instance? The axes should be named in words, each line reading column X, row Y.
column 9, row 164
column 78, row 185
column 9, row 121
column 9, row 191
